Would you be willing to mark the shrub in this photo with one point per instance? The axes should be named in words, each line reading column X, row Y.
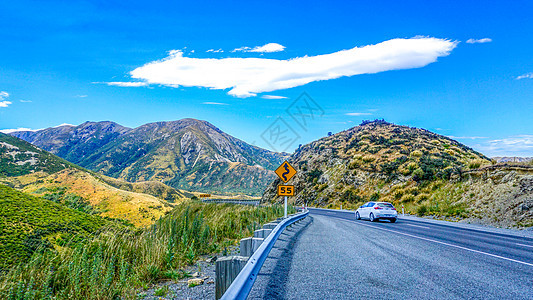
column 418, row 174
column 368, row 158
column 407, row 198
column 374, row 197
column 422, row 210
column 474, row 164
column 416, row 153
column 314, row 174
column 422, row 197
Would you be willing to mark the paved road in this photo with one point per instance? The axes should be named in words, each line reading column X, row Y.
column 333, row 256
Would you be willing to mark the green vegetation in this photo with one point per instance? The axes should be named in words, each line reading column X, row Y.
column 29, row 224
column 119, row 261
column 161, row 292
column 18, row 157
column 59, row 195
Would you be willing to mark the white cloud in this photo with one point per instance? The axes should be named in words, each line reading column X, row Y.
column 25, row 101
column 215, row 51
column 246, row 77
column 467, row 137
column 241, row 49
column 4, row 95
column 214, row 103
column 127, row 84
column 358, row 114
column 81, row 96
column 525, row 76
column 8, row 131
column 268, row 48
column 479, row 41
column 64, row 124
column 518, row 145
column 273, row 97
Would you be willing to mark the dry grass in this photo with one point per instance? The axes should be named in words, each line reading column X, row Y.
column 140, row 209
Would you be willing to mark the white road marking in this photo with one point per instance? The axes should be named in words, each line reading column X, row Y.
column 524, row 245
column 447, row 244
column 425, row 227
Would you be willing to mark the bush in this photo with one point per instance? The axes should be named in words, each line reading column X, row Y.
column 374, row 197
column 416, row 153
column 422, row 210
column 407, row 198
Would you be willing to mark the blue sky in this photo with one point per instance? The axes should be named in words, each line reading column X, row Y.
column 65, row 62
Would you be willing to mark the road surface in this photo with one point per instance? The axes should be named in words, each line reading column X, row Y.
column 330, row 255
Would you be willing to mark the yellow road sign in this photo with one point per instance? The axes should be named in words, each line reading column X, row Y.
column 285, row 171
column 285, row 190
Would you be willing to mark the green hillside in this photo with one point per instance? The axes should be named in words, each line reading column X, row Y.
column 427, row 173
column 29, row 223
column 116, row 264
column 18, row 157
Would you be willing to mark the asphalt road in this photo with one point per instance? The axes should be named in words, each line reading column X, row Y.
column 330, row 255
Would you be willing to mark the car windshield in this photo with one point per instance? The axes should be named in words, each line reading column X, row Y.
column 385, row 205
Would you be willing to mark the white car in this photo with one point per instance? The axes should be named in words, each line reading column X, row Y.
column 375, row 211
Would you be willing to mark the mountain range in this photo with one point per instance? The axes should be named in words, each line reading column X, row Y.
column 187, row 154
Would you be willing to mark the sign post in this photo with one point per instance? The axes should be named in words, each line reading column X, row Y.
column 285, row 172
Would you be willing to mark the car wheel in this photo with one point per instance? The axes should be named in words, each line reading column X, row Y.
column 393, row 220
column 357, row 216
column 372, row 219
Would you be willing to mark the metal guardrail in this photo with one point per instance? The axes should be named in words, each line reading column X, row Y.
column 243, row 283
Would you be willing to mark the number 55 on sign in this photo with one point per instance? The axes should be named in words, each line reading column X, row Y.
column 285, row 190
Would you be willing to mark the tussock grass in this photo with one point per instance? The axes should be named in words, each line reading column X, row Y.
column 117, row 262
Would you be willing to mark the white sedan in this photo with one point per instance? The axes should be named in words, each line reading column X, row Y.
column 375, row 211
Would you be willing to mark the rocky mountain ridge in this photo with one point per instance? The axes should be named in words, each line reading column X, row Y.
column 188, row 154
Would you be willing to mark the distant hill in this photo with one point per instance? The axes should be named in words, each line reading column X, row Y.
column 27, row 223
column 427, row 173
column 513, row 159
column 187, row 154
column 38, row 172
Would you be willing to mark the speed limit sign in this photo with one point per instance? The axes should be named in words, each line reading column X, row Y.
column 285, row 190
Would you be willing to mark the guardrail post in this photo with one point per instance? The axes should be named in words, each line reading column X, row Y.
column 226, row 269
column 270, row 226
column 256, row 242
column 246, row 247
column 262, row 233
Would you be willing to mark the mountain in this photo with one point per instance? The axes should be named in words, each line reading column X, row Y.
column 427, row 173
column 513, row 159
column 73, row 143
column 32, row 170
column 187, row 154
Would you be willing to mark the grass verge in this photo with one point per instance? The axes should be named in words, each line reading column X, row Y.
column 117, row 262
